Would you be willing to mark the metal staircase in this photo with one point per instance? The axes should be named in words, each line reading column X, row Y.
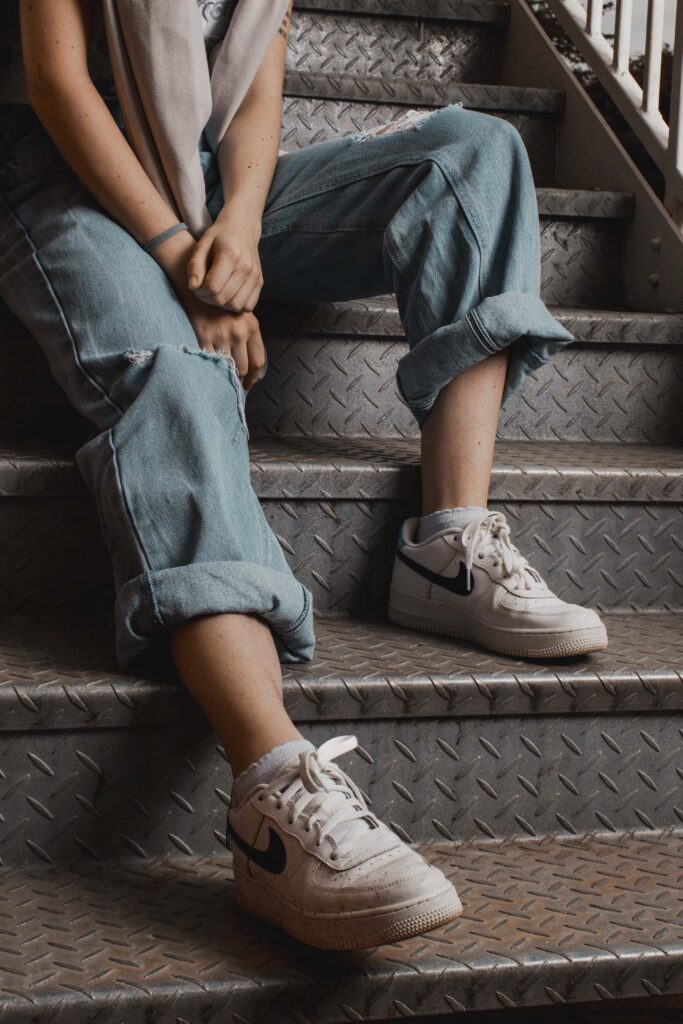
column 553, row 793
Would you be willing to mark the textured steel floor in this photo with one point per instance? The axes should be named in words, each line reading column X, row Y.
column 543, row 923
column 61, row 673
column 326, row 468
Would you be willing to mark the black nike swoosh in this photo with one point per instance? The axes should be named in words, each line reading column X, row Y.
column 456, row 584
column 272, row 859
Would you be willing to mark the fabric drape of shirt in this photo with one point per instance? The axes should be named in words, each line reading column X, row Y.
column 169, row 91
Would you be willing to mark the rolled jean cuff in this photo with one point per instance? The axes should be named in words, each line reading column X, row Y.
column 516, row 319
column 166, row 597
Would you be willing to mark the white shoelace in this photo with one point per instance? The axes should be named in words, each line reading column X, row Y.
column 489, row 534
column 322, row 797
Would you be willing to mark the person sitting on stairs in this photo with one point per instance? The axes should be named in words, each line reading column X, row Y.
column 146, row 317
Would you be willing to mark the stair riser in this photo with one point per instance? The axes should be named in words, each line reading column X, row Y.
column 128, row 793
column 306, row 121
column 580, row 268
column 616, row 555
column 346, row 388
column 390, row 47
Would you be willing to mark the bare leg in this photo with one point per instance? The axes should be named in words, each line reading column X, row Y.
column 230, row 664
column 459, row 435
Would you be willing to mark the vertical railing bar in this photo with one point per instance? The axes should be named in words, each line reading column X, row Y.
column 594, row 18
column 622, row 39
column 653, row 55
column 674, row 163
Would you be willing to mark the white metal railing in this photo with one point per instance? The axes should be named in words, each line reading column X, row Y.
column 640, row 106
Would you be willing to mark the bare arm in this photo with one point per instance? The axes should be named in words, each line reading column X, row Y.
column 54, row 37
column 247, row 156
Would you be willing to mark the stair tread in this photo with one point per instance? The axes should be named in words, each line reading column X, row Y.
column 421, row 92
column 544, row 921
column 289, row 468
column 60, row 672
column 378, row 317
column 447, row 10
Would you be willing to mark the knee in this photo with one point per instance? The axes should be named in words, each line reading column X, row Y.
column 495, row 136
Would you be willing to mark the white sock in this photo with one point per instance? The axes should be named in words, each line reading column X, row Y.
column 446, row 519
column 267, row 767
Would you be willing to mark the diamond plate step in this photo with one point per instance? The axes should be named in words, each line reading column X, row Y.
column 60, row 673
column 317, row 107
column 492, row 11
column 395, row 46
column 544, row 923
column 603, row 522
column 105, row 764
column 581, row 235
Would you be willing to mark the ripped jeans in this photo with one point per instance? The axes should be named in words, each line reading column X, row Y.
column 441, row 210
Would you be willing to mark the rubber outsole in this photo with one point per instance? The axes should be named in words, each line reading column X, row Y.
column 588, row 641
column 338, row 933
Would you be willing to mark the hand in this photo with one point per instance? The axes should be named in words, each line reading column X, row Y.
column 235, row 334
column 224, row 269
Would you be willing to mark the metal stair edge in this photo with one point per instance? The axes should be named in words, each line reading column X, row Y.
column 378, row 317
column 288, row 468
column 487, row 11
column 58, row 673
column 545, row 921
column 316, row 85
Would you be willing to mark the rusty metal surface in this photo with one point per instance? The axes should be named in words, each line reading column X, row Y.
column 111, row 793
column 364, row 44
column 61, row 673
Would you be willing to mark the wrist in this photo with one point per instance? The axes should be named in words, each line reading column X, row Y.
column 172, row 256
column 248, row 214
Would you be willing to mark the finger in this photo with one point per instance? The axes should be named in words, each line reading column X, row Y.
column 240, row 279
column 197, row 263
column 221, row 269
column 238, row 301
column 240, row 354
column 257, row 360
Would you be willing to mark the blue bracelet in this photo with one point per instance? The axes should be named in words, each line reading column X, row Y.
column 158, row 239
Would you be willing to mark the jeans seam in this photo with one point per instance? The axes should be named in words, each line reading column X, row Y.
column 59, row 306
column 481, row 333
column 124, row 498
column 151, row 598
column 304, row 614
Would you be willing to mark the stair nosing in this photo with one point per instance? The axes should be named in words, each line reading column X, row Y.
column 317, row 85
column 545, row 921
column 378, row 319
column 347, row 468
column 484, row 11
column 362, row 669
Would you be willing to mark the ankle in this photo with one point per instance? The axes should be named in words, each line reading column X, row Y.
column 455, row 518
column 249, row 747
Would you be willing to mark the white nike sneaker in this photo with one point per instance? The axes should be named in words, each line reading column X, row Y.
column 310, row 857
column 474, row 584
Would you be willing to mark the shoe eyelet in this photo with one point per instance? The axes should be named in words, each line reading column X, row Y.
column 333, row 856
column 279, row 805
column 480, row 555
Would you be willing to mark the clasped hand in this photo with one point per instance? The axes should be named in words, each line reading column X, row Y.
column 224, row 281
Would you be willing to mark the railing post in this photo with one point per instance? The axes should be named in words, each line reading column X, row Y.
column 594, row 18
column 674, row 162
column 653, row 55
column 622, row 37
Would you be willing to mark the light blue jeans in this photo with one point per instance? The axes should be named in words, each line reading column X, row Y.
column 443, row 214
